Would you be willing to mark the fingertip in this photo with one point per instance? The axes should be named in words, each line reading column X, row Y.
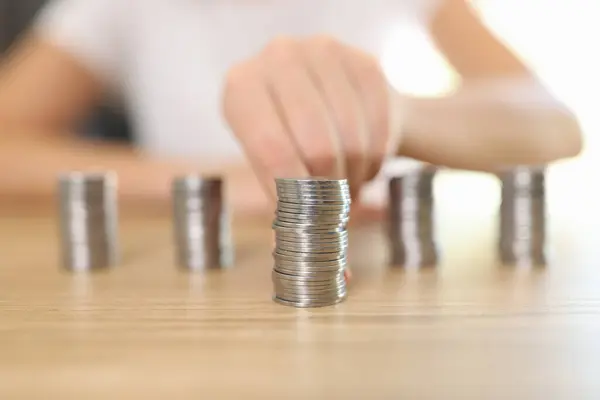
column 347, row 275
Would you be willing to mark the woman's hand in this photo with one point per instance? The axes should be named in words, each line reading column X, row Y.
column 311, row 107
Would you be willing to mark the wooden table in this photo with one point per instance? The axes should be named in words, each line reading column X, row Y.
column 471, row 329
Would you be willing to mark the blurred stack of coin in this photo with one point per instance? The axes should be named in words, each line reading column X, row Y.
column 411, row 225
column 201, row 224
column 311, row 241
column 88, row 220
column 523, row 216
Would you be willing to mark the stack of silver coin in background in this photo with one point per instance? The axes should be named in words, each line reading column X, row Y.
column 411, row 225
column 523, row 216
column 88, row 220
column 201, row 224
column 311, row 242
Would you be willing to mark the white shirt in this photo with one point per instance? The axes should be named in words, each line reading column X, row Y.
column 168, row 58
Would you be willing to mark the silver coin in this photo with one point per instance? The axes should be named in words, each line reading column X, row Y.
column 311, row 256
column 315, row 292
column 311, row 241
column 314, row 185
column 411, row 228
column 311, row 217
column 307, row 304
column 314, row 300
column 300, row 262
column 313, row 208
column 313, row 297
column 309, row 201
column 321, row 220
column 314, row 190
column 99, row 178
column 522, row 236
column 309, row 277
column 196, row 184
column 93, row 213
column 329, row 296
column 315, row 202
column 320, row 225
column 309, row 263
column 80, row 258
column 314, row 256
column 342, row 191
column 300, row 272
column 308, row 228
column 338, row 195
column 305, row 290
column 309, row 260
column 303, row 268
column 88, row 220
column 291, row 227
column 201, row 223
column 309, row 274
column 314, row 249
column 335, row 186
column 314, row 225
column 312, row 198
column 313, row 237
column 313, row 253
column 307, row 286
column 327, row 284
column 296, row 270
column 316, row 182
column 303, row 247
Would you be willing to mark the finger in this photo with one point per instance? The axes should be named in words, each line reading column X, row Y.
column 302, row 108
column 398, row 104
column 347, row 275
column 323, row 57
column 251, row 114
column 368, row 79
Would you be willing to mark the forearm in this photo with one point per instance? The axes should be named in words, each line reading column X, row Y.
column 490, row 126
column 469, row 45
column 36, row 160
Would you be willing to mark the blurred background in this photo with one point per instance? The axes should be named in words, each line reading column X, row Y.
column 15, row 17
column 553, row 36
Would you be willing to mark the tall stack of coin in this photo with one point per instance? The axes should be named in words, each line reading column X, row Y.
column 411, row 227
column 311, row 242
column 523, row 216
column 88, row 220
column 201, row 224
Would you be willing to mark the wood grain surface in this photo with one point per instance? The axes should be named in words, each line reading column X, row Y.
column 469, row 329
